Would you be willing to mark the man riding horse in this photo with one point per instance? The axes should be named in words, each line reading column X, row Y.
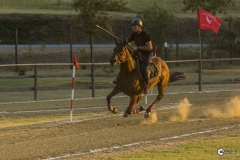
column 142, row 49
column 129, row 81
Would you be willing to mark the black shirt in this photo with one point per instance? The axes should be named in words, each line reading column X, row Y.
column 141, row 39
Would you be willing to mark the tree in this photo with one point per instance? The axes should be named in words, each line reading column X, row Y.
column 213, row 6
column 226, row 39
column 94, row 12
column 158, row 22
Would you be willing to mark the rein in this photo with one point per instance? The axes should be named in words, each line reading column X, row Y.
column 130, row 48
column 119, row 54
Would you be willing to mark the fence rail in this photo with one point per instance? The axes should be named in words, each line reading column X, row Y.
column 93, row 87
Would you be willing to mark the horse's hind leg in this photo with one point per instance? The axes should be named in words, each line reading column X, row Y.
column 161, row 86
column 134, row 100
column 113, row 93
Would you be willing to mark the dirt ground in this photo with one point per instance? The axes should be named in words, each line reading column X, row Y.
column 103, row 135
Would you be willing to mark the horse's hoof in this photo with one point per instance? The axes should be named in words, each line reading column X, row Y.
column 114, row 110
column 125, row 115
column 147, row 115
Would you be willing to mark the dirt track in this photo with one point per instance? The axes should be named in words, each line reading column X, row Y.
column 84, row 138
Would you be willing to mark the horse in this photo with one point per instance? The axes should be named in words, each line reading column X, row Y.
column 130, row 83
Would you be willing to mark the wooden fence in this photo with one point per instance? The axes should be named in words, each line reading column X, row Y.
column 93, row 75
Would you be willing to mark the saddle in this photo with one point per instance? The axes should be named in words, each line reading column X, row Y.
column 152, row 69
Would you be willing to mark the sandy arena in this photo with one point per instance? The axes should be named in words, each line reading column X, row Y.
column 176, row 120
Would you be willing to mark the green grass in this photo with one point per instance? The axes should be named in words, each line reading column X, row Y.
column 40, row 4
column 64, row 6
column 206, row 149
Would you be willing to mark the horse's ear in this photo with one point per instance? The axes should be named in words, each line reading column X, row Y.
column 116, row 41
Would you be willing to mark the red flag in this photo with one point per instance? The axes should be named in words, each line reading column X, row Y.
column 156, row 51
column 75, row 63
column 207, row 21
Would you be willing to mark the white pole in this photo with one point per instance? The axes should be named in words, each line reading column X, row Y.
column 146, row 99
column 72, row 98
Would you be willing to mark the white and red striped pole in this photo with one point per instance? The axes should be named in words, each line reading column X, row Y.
column 75, row 63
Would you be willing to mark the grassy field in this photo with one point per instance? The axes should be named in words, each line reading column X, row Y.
column 64, row 6
column 206, row 149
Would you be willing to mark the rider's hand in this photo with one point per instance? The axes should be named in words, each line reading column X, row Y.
column 135, row 48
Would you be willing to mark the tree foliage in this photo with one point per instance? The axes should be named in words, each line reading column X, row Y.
column 213, row 6
column 95, row 12
column 228, row 40
column 158, row 22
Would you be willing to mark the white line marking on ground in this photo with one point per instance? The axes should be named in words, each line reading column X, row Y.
column 52, row 110
column 78, row 99
column 144, row 142
column 96, row 118
column 56, row 110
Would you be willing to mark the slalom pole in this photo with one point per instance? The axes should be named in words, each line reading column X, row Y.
column 72, row 97
column 75, row 63
column 146, row 99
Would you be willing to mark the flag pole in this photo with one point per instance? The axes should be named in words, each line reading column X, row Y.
column 200, row 63
column 200, row 41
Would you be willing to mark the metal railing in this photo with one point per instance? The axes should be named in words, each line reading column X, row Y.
column 93, row 75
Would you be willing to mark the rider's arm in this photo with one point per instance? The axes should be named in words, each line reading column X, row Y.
column 148, row 42
column 147, row 47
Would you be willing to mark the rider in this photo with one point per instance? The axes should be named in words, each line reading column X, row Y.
column 143, row 44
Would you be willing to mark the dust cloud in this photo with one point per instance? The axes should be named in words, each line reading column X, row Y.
column 152, row 119
column 183, row 110
column 232, row 109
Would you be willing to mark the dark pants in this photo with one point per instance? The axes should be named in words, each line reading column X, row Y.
column 145, row 60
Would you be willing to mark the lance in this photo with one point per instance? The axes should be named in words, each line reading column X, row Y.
column 113, row 35
column 108, row 32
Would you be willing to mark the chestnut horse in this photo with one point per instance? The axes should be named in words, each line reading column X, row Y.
column 130, row 83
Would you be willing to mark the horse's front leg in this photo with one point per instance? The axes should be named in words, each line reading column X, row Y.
column 134, row 100
column 113, row 93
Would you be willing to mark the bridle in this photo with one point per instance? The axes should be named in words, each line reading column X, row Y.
column 121, row 53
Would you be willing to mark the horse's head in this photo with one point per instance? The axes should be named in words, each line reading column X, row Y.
column 119, row 54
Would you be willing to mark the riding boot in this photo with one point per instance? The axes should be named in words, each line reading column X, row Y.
column 146, row 80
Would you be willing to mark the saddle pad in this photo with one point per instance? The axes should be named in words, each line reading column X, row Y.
column 152, row 69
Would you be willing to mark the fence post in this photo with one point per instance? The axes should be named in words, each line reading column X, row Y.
column 93, row 80
column 177, row 43
column 71, row 57
column 229, row 41
column 92, row 66
column 35, row 82
column 16, row 47
column 200, row 75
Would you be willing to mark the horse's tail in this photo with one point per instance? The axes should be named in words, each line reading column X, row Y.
column 175, row 76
